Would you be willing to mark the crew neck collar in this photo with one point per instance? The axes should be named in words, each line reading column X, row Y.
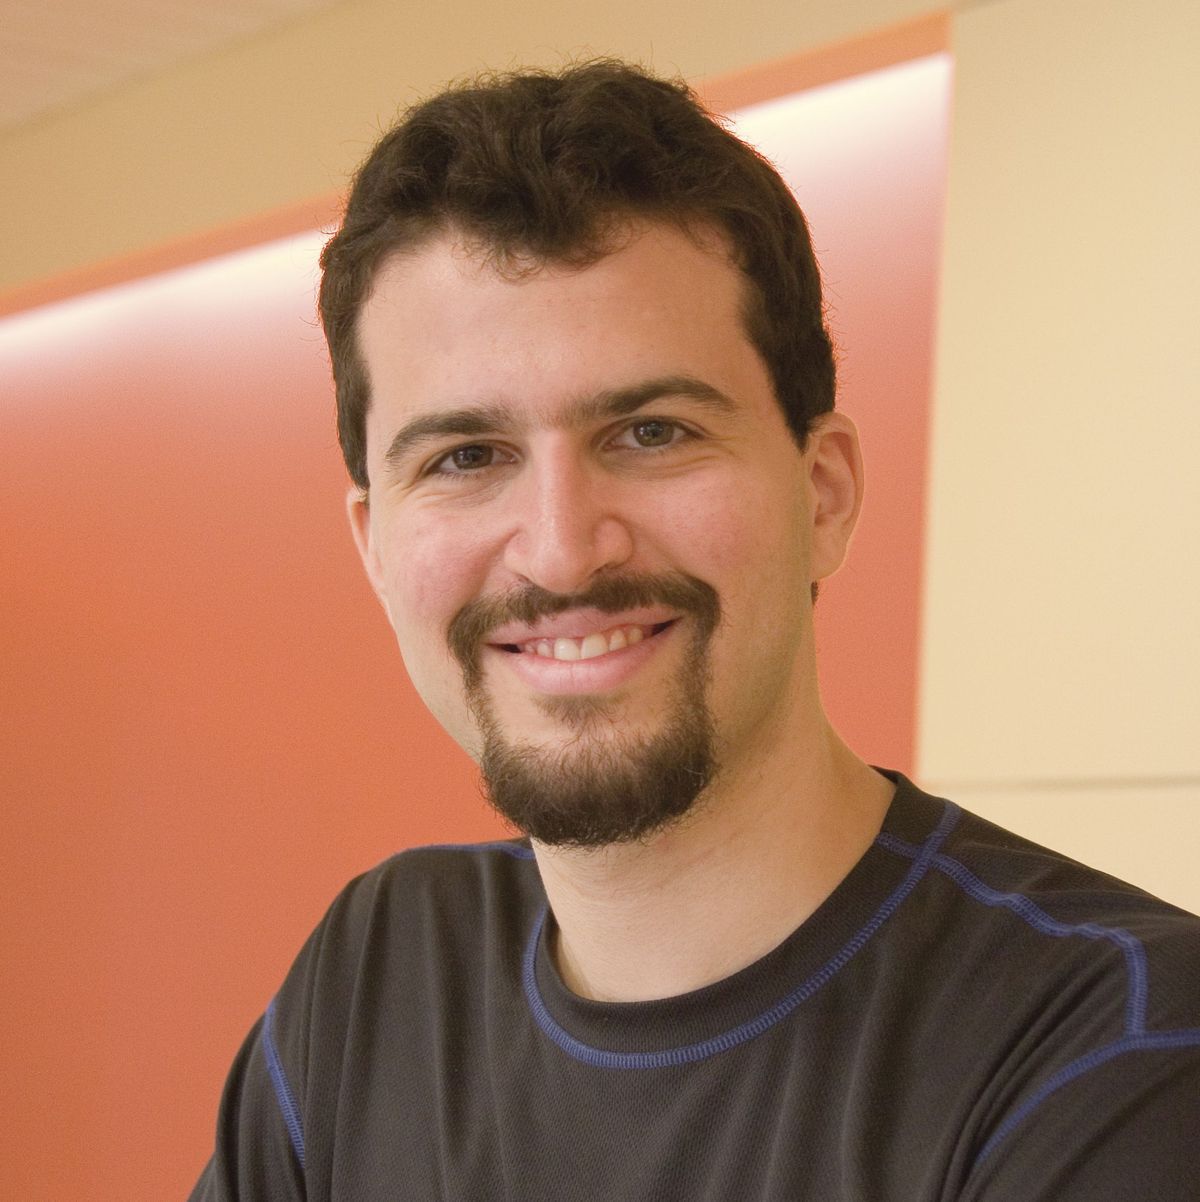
column 718, row 1016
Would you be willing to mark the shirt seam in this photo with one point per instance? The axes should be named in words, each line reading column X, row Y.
column 284, row 1096
column 752, row 1028
column 1134, row 1037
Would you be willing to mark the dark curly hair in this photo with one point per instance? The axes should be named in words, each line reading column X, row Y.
column 546, row 167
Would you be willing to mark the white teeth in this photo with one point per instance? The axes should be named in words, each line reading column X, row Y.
column 566, row 649
column 589, row 647
column 593, row 645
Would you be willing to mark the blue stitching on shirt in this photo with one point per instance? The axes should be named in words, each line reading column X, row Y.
column 1131, row 948
column 690, row 1053
column 283, row 1090
column 1077, row 1068
column 1036, row 917
column 1135, row 1039
column 286, row 1099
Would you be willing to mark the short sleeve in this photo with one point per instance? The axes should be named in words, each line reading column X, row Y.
column 1128, row 1128
column 256, row 1158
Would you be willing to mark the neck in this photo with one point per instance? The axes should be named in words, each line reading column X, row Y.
column 712, row 894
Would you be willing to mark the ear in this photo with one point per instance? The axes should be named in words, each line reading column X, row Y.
column 835, row 484
column 358, row 509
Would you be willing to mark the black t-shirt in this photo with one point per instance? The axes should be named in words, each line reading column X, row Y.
column 968, row 1016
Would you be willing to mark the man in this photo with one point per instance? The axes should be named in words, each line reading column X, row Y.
column 585, row 395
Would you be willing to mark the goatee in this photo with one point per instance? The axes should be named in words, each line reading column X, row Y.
column 603, row 785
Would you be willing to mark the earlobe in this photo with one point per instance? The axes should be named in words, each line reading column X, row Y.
column 835, row 488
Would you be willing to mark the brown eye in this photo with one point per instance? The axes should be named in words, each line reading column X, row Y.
column 653, row 433
column 467, row 459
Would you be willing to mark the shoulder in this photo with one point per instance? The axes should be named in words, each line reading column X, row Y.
column 418, row 875
column 984, row 876
column 426, row 892
column 1080, row 992
column 1074, row 998
column 1070, row 958
column 436, row 913
column 1059, row 899
column 400, row 946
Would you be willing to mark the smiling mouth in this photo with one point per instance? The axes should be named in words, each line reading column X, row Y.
column 589, row 646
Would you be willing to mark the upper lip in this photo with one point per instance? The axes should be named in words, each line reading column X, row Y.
column 577, row 624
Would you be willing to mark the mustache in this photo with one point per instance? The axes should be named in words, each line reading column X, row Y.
column 610, row 594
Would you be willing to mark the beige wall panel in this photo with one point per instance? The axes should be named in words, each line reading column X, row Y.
column 1063, row 581
column 1133, row 831
column 287, row 115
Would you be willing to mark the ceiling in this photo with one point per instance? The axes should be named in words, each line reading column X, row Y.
column 56, row 53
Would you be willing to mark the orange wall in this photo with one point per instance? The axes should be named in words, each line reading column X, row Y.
column 210, row 730
column 867, row 159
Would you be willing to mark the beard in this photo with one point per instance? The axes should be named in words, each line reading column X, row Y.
column 604, row 785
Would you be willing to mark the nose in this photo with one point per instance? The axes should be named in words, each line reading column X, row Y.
column 566, row 524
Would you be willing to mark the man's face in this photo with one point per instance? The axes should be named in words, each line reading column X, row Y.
column 589, row 524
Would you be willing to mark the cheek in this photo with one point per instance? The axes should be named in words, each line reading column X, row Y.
column 703, row 527
column 740, row 538
column 749, row 542
column 432, row 569
column 430, row 576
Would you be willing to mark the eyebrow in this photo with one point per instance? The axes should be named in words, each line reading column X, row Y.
column 477, row 420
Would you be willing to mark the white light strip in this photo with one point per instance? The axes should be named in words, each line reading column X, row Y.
column 280, row 272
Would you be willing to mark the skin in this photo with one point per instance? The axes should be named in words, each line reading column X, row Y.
column 552, row 486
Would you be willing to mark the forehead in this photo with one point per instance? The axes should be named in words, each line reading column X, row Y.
column 625, row 253
column 444, row 326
